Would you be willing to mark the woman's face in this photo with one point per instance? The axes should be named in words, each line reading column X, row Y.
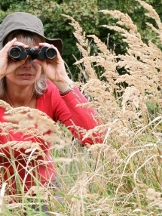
column 26, row 74
column 29, row 72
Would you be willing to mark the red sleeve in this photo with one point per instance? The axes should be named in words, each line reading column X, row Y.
column 68, row 110
column 81, row 117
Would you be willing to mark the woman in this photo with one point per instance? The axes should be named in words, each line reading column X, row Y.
column 39, row 84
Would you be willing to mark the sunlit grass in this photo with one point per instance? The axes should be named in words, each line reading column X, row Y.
column 122, row 176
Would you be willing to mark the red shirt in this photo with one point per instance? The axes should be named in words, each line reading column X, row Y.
column 59, row 108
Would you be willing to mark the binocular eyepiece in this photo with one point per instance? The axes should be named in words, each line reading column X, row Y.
column 42, row 53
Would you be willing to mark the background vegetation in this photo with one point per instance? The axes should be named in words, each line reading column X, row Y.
column 86, row 12
column 122, row 176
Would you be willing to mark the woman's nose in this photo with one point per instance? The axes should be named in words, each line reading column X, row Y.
column 27, row 63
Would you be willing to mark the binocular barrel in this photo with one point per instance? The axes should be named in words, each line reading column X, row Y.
column 42, row 53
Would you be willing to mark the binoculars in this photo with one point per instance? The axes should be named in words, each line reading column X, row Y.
column 42, row 53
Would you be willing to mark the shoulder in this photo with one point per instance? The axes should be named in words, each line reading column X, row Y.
column 48, row 101
column 52, row 91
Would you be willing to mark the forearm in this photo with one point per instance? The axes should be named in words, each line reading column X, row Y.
column 82, row 119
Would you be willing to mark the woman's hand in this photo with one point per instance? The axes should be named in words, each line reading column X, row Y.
column 7, row 65
column 55, row 70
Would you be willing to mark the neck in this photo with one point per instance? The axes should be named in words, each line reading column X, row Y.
column 20, row 97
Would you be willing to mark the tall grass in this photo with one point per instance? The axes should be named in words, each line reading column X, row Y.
column 123, row 176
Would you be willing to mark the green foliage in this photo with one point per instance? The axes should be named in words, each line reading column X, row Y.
column 124, row 175
column 86, row 12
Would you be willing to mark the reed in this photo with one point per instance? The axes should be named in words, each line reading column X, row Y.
column 123, row 176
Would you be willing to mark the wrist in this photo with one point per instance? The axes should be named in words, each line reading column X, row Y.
column 64, row 85
column 70, row 87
